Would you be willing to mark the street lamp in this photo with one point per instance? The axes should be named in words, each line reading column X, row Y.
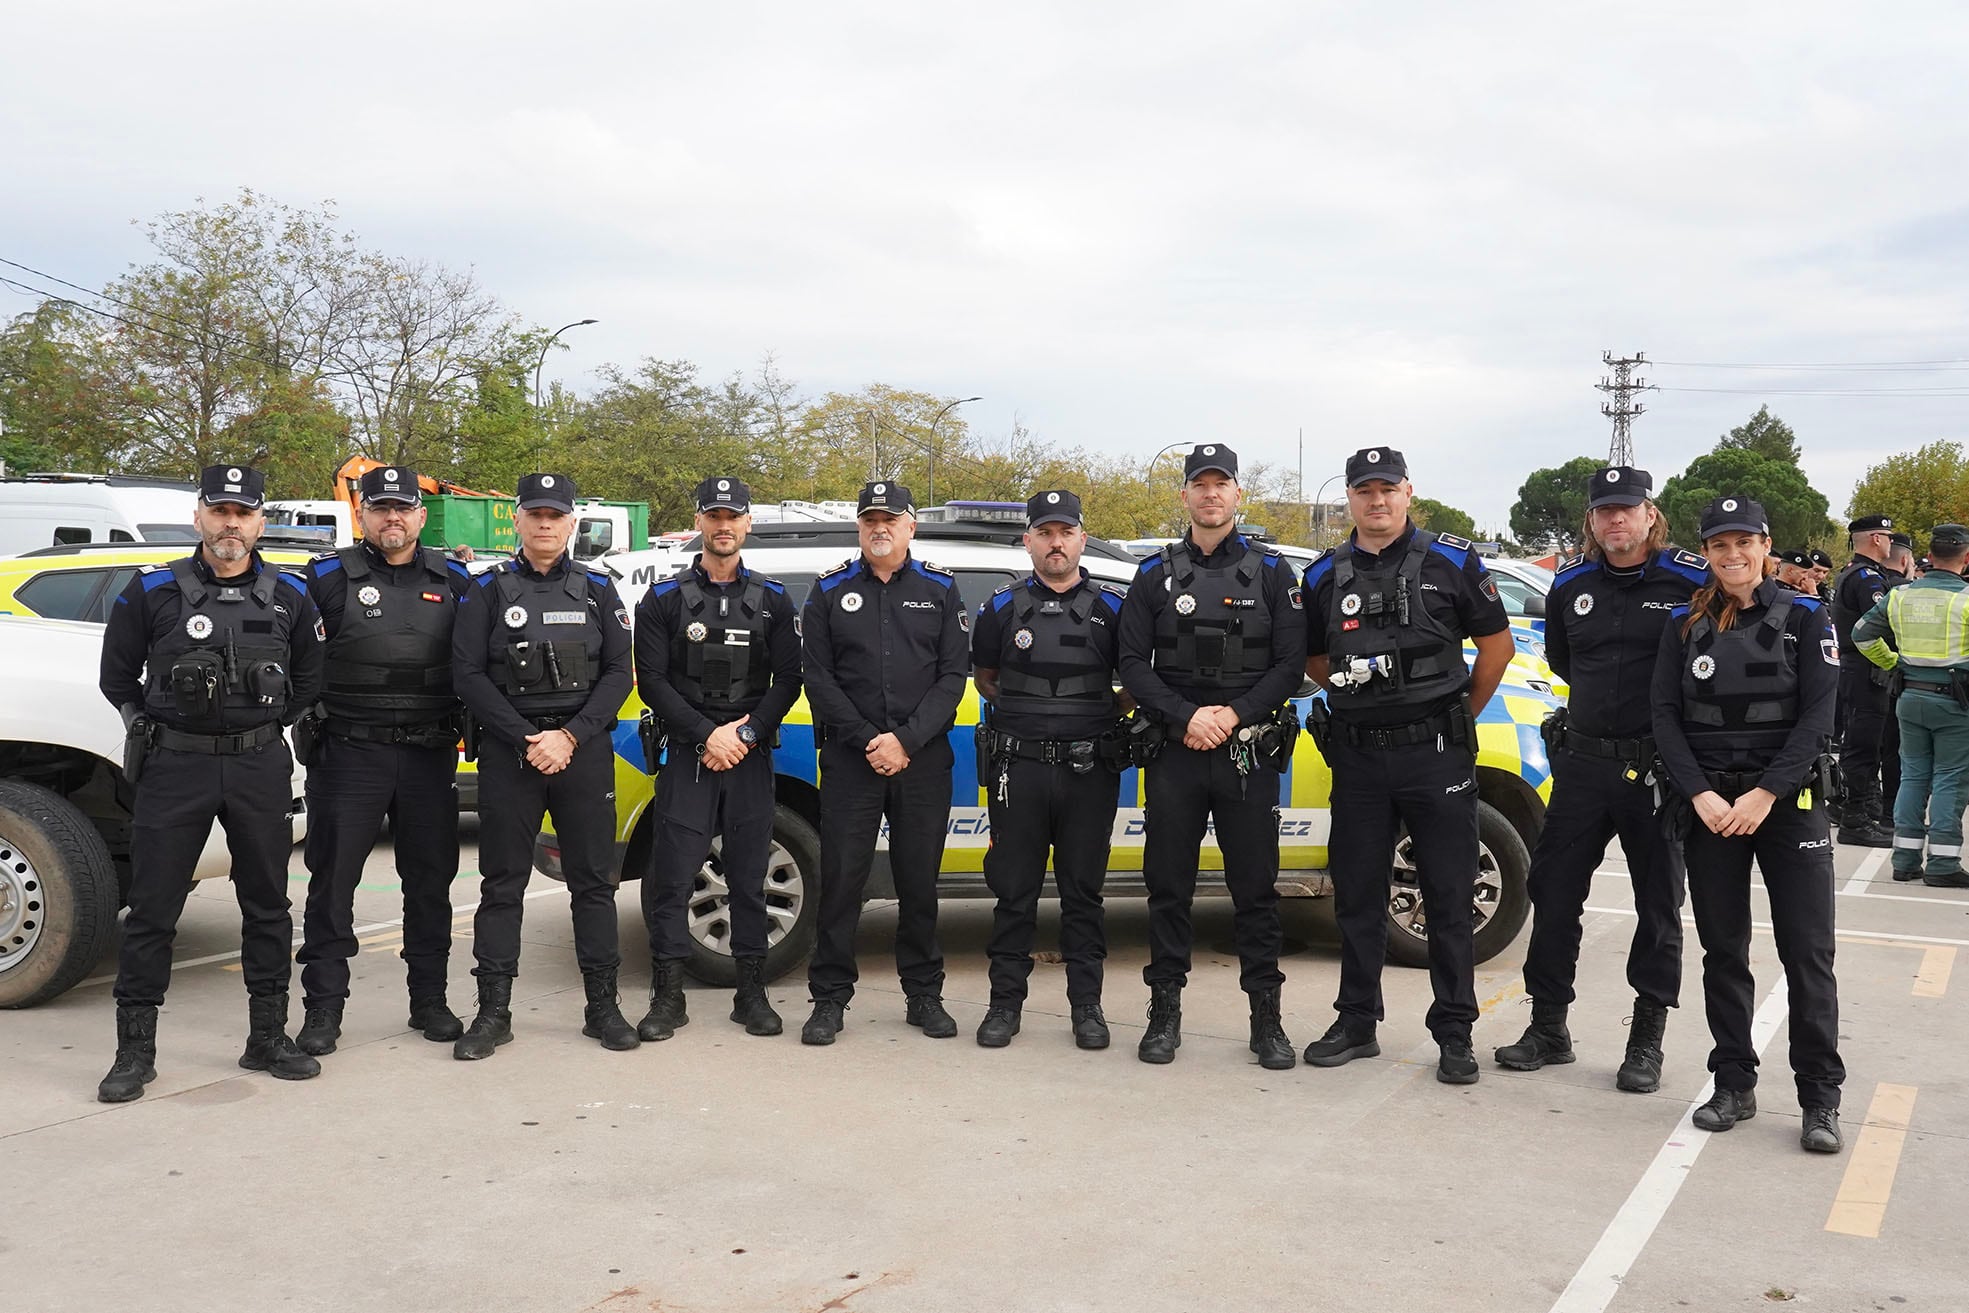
column 1148, row 474
column 1319, row 500
column 544, row 347
column 930, row 494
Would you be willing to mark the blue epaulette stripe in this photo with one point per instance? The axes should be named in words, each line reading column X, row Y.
column 299, row 582
column 1317, row 571
column 1113, row 601
column 154, row 580
column 327, row 566
column 998, row 601
column 454, row 565
column 1456, row 554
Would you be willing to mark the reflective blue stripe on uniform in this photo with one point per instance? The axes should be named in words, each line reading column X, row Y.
column 662, row 586
column 161, row 577
column 1671, row 562
column 999, row 599
column 1317, row 571
column 1113, row 600
column 1458, row 556
column 299, row 581
column 1580, row 569
column 452, row 563
column 839, row 575
column 932, row 573
column 326, row 564
column 1805, row 603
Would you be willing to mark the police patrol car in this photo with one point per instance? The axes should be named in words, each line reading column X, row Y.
column 1512, row 773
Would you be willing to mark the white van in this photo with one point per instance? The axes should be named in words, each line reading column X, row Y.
column 323, row 516
column 46, row 510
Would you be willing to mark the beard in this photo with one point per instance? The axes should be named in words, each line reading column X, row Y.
column 1056, row 566
column 226, row 547
column 391, row 540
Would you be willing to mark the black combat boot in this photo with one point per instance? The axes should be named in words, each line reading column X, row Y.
column 1725, row 1109
column 1090, row 1027
column 1640, row 1072
column 666, row 1000
column 825, row 1023
column 750, row 1006
column 1546, row 1040
column 1268, row 1039
column 321, row 1026
column 136, row 1055
column 998, row 1027
column 1165, row 1033
column 432, row 1015
column 602, row 1019
column 927, row 1012
column 1343, row 1042
column 268, row 1048
column 493, row 1025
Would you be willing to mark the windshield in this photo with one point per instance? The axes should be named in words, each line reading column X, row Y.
column 168, row 533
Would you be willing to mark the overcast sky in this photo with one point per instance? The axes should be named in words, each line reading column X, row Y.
column 1130, row 225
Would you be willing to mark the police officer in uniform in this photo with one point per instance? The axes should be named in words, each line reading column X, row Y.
column 207, row 658
column 1603, row 622
column 1795, row 571
column 384, row 745
column 1921, row 632
column 885, row 658
column 1862, row 685
column 1212, row 642
column 1821, row 580
column 540, row 656
column 1743, row 695
column 1045, row 649
column 718, row 662
column 1388, row 612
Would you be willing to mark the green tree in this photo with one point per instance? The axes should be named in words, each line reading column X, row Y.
column 49, row 392
column 1796, row 509
column 1438, row 518
column 1920, row 489
column 1765, row 434
column 1551, row 505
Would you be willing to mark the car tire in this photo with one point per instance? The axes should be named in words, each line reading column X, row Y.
column 792, row 905
column 1503, row 898
column 58, row 895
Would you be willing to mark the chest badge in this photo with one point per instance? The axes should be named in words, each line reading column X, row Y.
column 199, row 627
column 1703, row 667
column 1583, row 604
column 1185, row 604
column 851, row 602
column 695, row 631
column 1022, row 640
column 1297, row 597
column 515, row 617
column 1350, row 604
column 369, row 594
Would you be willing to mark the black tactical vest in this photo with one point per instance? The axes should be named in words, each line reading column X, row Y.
column 1215, row 630
column 223, row 666
column 1845, row 617
column 1053, row 662
column 1381, row 612
column 718, row 657
column 389, row 660
column 1742, row 681
column 547, row 640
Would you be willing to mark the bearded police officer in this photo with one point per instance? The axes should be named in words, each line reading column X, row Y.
column 384, row 744
column 718, row 662
column 1045, row 650
column 540, row 655
column 1603, row 622
column 1921, row 632
column 1212, row 639
column 1862, row 685
column 885, row 660
column 207, row 658
column 1388, row 611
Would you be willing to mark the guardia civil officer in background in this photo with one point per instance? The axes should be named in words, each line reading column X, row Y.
column 1212, row 641
column 1743, row 695
column 1921, row 632
column 1045, row 651
column 885, row 658
column 383, row 744
column 718, row 662
column 1862, row 709
column 207, row 658
column 540, row 655
column 1387, row 613
column 1603, row 622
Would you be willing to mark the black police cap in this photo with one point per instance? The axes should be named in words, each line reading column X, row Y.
column 891, row 497
column 1802, row 560
column 1733, row 515
column 1820, row 561
column 1948, row 537
column 1371, row 463
column 1871, row 524
column 726, row 494
column 1619, row 485
column 239, row 484
column 396, row 483
column 1058, row 507
column 547, row 491
column 1210, row 456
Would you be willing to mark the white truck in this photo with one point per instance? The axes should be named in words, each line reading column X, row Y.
column 47, row 510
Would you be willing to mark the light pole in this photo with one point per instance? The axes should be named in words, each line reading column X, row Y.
column 544, row 348
column 1319, row 499
column 930, row 493
column 1148, row 474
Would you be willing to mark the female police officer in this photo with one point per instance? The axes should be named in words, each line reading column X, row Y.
column 1743, row 698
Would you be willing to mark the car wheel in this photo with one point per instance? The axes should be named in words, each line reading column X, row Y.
column 1499, row 904
column 58, row 895
column 792, row 904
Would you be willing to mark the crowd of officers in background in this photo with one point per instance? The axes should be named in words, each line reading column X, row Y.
column 1707, row 694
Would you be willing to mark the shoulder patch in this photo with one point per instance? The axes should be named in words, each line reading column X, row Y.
column 326, row 563
column 1451, row 540
column 297, row 579
column 837, row 576
column 1687, row 564
column 1113, row 594
column 936, row 573
column 155, row 576
column 599, row 578
column 772, row 585
column 1569, row 562
column 662, row 586
column 1446, row 546
column 1575, row 567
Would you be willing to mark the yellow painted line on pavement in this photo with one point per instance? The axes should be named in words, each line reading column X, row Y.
column 1931, row 981
column 1500, row 998
column 1861, row 1205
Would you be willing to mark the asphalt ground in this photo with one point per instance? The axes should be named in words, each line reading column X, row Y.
column 716, row 1171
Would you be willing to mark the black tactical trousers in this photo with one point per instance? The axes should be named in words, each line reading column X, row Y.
column 854, row 801
column 1863, row 708
column 181, row 793
column 693, row 803
column 1190, row 794
column 513, row 797
column 1049, row 809
column 1793, row 849
column 351, row 790
column 1592, row 803
column 1434, row 792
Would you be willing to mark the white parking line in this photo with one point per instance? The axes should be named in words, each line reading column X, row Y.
column 1599, row 1278
column 1868, row 869
column 1844, row 891
column 1855, row 936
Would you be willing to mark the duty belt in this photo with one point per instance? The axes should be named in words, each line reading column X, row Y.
column 1392, row 736
column 218, row 745
column 1735, row 783
column 1053, row 752
column 1629, row 750
column 549, row 722
column 432, row 734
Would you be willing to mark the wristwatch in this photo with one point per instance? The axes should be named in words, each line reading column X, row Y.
column 748, row 736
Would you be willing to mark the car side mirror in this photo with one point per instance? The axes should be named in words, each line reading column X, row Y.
column 1535, row 605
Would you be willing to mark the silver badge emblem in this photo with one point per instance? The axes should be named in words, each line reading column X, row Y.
column 546, row 480
column 1703, row 666
column 851, row 601
column 389, row 476
column 1374, row 458
column 1052, row 499
column 881, row 488
column 1729, row 503
column 695, row 631
column 1022, row 640
column 1350, row 604
column 515, row 617
column 724, row 485
column 199, row 627
column 1210, row 451
column 1185, row 604
column 234, row 476
column 369, row 595
column 1582, row 604
column 1613, row 476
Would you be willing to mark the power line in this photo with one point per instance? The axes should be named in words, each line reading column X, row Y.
column 1945, row 390
column 1860, row 365
column 1622, row 409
